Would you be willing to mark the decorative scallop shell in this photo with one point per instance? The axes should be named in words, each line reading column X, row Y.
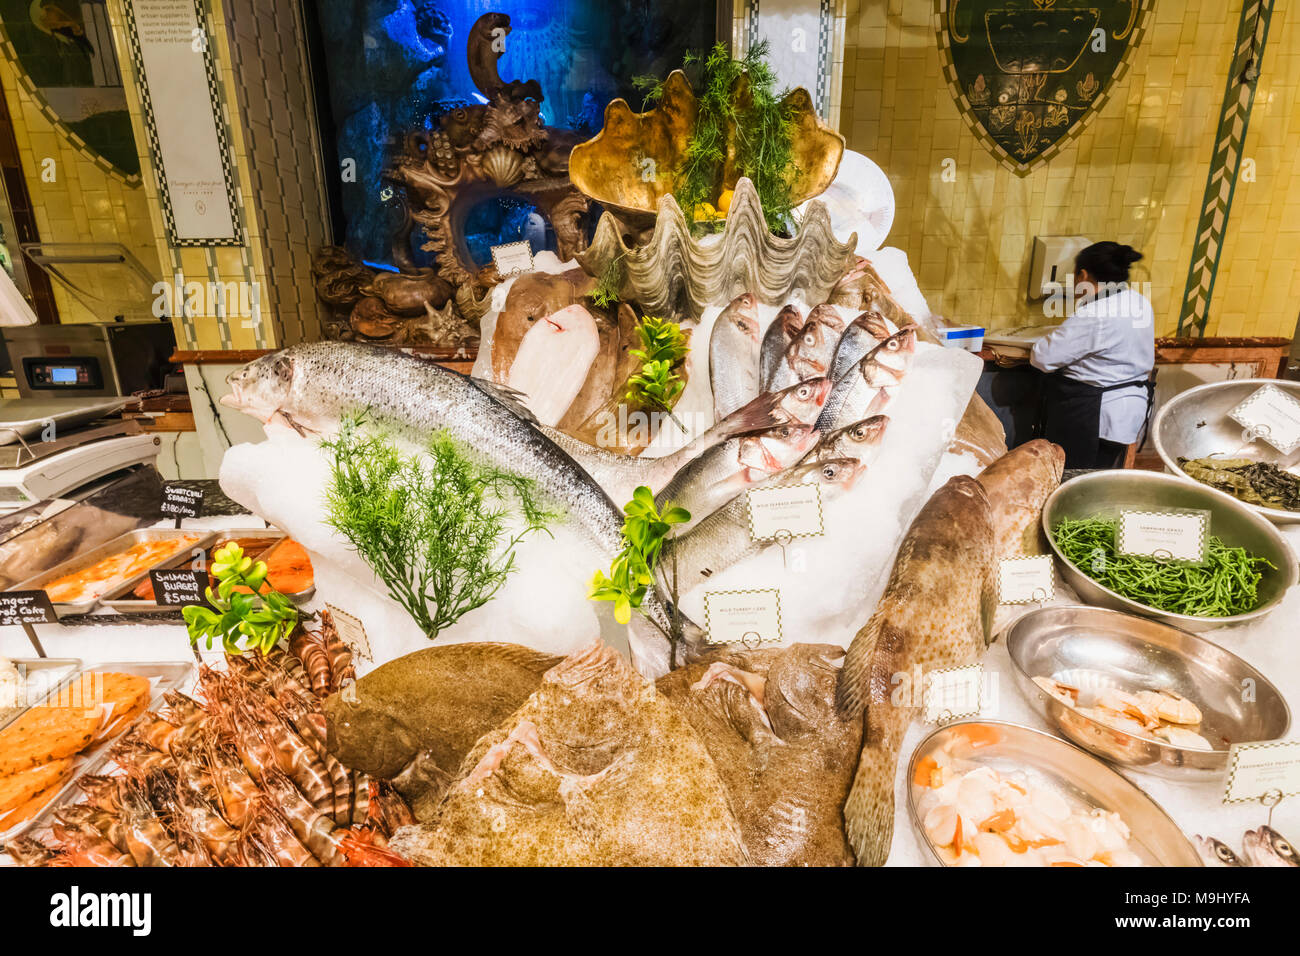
column 504, row 166
column 678, row 276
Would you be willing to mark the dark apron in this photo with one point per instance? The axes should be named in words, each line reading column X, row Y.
column 1072, row 415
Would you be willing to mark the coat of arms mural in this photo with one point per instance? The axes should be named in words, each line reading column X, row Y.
column 1028, row 75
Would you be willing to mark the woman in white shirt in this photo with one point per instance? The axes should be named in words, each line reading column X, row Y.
column 1097, row 396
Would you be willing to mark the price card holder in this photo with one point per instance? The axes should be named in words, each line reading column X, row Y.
column 180, row 501
column 952, row 693
column 1272, row 415
column 787, row 511
column 751, row 618
column 513, row 258
column 1164, row 535
column 26, row 609
column 179, row 587
column 1028, row 580
column 351, row 632
column 1264, row 771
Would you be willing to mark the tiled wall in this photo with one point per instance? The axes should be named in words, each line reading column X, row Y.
column 267, row 111
column 271, row 79
column 84, row 203
column 1136, row 175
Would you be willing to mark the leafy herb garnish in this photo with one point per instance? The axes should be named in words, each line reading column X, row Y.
column 433, row 526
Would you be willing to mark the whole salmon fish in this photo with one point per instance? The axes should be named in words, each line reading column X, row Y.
column 937, row 611
column 312, row 386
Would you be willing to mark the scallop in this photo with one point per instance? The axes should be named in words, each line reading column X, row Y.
column 941, row 825
column 1050, row 803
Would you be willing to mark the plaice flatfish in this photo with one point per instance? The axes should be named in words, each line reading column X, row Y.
column 769, row 720
column 597, row 768
column 415, row 718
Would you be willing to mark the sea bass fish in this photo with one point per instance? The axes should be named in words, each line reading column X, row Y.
column 860, row 336
column 809, row 353
column 596, row 768
column 854, row 395
column 416, row 717
column 860, row 441
column 788, row 323
column 734, row 355
column 312, row 386
column 1264, row 846
column 620, row 475
column 728, row 469
column 769, row 721
column 723, row 538
column 936, row 612
column 1018, row 485
column 1215, row 852
column 553, row 361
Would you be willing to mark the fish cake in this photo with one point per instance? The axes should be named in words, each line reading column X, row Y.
column 18, row 788
column 24, row 812
column 44, row 734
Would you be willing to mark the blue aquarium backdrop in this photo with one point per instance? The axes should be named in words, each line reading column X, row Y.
column 388, row 66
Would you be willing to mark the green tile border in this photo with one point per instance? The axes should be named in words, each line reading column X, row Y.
column 1225, row 166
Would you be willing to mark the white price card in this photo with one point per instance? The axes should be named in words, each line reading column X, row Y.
column 788, row 511
column 1273, row 415
column 1028, row 580
column 1264, row 770
column 513, row 258
column 1166, row 535
column 351, row 632
column 751, row 618
column 952, row 693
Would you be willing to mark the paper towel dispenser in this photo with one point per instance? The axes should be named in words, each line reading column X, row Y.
column 1051, row 261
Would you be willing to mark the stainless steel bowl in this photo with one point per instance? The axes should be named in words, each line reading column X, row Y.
column 1195, row 424
column 1074, row 774
column 1104, row 494
column 1094, row 649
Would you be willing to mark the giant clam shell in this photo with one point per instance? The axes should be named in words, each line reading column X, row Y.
column 678, row 276
column 631, row 164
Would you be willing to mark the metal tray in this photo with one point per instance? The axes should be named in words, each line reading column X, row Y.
column 25, row 417
column 1094, row 649
column 42, row 676
column 1062, row 767
column 169, row 675
column 107, row 549
column 121, row 599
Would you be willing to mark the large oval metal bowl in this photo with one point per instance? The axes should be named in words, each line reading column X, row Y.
column 1093, row 649
column 1104, row 494
column 1195, row 424
column 1063, row 767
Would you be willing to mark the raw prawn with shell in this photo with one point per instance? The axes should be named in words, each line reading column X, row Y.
column 239, row 778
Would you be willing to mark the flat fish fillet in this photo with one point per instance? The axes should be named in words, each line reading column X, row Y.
column 553, row 361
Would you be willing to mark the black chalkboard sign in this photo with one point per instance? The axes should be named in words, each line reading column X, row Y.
column 181, row 501
column 26, row 607
column 178, row 587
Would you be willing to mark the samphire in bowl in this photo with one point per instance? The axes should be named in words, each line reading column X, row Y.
column 1195, row 424
column 1050, row 762
column 1093, row 650
column 1104, row 494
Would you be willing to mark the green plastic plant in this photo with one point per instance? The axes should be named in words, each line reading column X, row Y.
column 236, row 618
column 664, row 347
column 433, row 526
column 632, row 575
column 761, row 132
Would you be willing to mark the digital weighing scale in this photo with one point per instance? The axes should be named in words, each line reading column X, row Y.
column 49, row 447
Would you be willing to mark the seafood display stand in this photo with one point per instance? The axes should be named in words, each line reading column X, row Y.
column 551, row 628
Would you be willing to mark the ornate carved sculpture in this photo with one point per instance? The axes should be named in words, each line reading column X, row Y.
column 476, row 152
